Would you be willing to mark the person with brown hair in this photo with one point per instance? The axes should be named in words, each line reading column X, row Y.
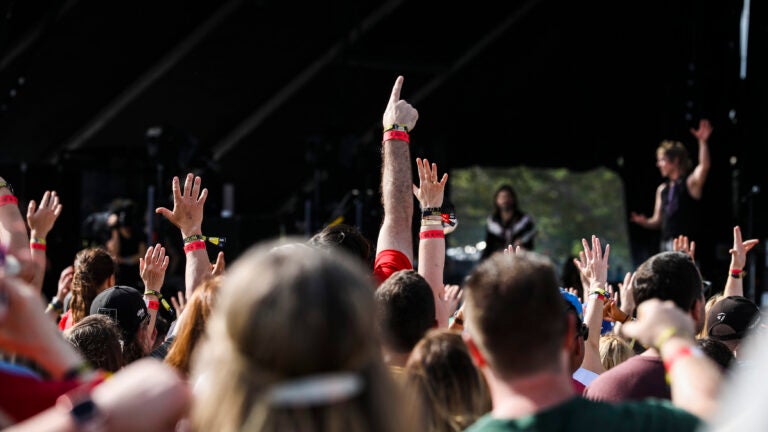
column 528, row 379
column 190, row 326
column 450, row 388
column 94, row 272
column 291, row 345
column 674, row 211
column 98, row 339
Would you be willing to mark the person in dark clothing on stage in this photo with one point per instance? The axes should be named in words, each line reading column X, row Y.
column 675, row 209
column 508, row 225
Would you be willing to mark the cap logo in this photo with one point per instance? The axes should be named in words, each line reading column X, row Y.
column 110, row 312
column 721, row 316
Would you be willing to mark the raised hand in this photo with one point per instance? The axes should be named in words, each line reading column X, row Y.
column 593, row 263
column 65, row 282
column 187, row 213
column 740, row 248
column 704, row 130
column 681, row 244
column 627, row 294
column 153, row 266
column 430, row 191
column 218, row 267
column 41, row 219
column 399, row 112
column 452, row 297
column 511, row 249
column 180, row 304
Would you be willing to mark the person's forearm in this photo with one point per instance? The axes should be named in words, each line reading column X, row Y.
column 694, row 378
column 197, row 269
column 13, row 231
column 704, row 161
column 38, row 251
column 594, row 320
column 734, row 286
column 432, row 265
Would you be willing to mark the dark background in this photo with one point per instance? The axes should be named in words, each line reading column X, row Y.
column 283, row 100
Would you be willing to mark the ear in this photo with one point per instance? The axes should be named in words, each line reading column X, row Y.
column 474, row 351
column 570, row 332
column 697, row 310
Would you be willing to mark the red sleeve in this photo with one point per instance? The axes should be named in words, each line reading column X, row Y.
column 389, row 261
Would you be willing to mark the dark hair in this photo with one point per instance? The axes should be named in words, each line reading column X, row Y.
column 92, row 267
column 505, row 295
column 344, row 236
column 668, row 276
column 134, row 348
column 717, row 351
column 515, row 203
column 97, row 337
column 406, row 309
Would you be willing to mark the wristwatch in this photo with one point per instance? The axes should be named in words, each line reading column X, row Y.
column 83, row 410
column 5, row 184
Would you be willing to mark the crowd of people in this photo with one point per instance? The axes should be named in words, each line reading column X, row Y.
column 338, row 332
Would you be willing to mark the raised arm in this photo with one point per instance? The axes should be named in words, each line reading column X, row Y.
column 694, row 378
column 594, row 266
column 41, row 220
column 13, row 230
column 431, row 236
column 696, row 179
column 187, row 215
column 654, row 222
column 396, row 183
column 152, row 270
column 734, row 285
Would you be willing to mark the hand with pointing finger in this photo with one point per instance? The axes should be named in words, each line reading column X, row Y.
column 399, row 112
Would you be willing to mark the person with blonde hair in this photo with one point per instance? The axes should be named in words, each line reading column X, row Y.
column 614, row 350
column 291, row 345
column 450, row 388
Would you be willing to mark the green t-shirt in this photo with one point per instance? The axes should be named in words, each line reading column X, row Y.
column 579, row 414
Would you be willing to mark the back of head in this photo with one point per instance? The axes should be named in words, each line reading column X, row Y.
column 98, row 339
column 126, row 306
column 717, row 351
column 192, row 327
column 92, row 267
column 405, row 310
column 614, row 350
column 505, row 295
column 732, row 318
column 451, row 389
column 669, row 276
column 291, row 345
column 345, row 236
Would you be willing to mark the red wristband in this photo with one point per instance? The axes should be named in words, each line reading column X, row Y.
column 10, row 199
column 195, row 245
column 397, row 135
column 431, row 234
column 153, row 304
column 39, row 246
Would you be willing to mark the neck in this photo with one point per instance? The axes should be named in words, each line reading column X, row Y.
column 518, row 397
column 674, row 175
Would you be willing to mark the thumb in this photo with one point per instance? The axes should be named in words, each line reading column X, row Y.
column 163, row 211
column 415, row 190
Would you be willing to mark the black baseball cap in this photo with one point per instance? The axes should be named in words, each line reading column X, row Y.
column 731, row 317
column 125, row 305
